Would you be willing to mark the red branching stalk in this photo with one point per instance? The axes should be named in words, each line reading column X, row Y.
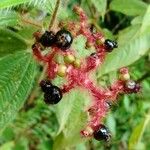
column 79, row 76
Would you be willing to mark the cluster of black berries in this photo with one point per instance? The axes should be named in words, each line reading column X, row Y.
column 110, row 45
column 62, row 39
column 102, row 133
column 52, row 94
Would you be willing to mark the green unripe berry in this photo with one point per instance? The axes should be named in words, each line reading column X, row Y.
column 125, row 77
column 61, row 71
column 68, row 59
column 77, row 63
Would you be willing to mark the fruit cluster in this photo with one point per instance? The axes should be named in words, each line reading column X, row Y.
column 77, row 71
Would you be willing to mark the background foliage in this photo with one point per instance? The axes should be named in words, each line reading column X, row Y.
column 31, row 125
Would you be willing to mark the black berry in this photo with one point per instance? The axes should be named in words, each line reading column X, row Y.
column 94, row 55
column 47, row 39
column 46, row 85
column 137, row 88
column 33, row 46
column 63, row 39
column 108, row 104
column 92, row 28
column 53, row 96
column 102, row 133
column 110, row 45
column 132, row 87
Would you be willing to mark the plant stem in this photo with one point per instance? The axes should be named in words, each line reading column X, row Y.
column 30, row 22
column 98, row 28
column 53, row 18
column 118, row 25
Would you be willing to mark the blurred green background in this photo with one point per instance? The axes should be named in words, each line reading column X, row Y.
column 26, row 123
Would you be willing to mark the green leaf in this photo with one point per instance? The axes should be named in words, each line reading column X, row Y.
column 8, row 134
column 79, row 44
column 137, row 20
column 45, row 145
column 146, row 20
column 21, row 144
column 63, row 114
column 128, row 7
column 137, row 133
column 16, row 80
column 133, row 44
column 8, row 18
column 39, row 120
column 81, row 146
column 126, row 103
column 127, row 53
column 71, row 117
column 27, row 33
column 100, row 5
column 10, row 42
column 7, row 146
column 128, row 34
column 108, row 34
column 10, row 3
column 111, row 123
